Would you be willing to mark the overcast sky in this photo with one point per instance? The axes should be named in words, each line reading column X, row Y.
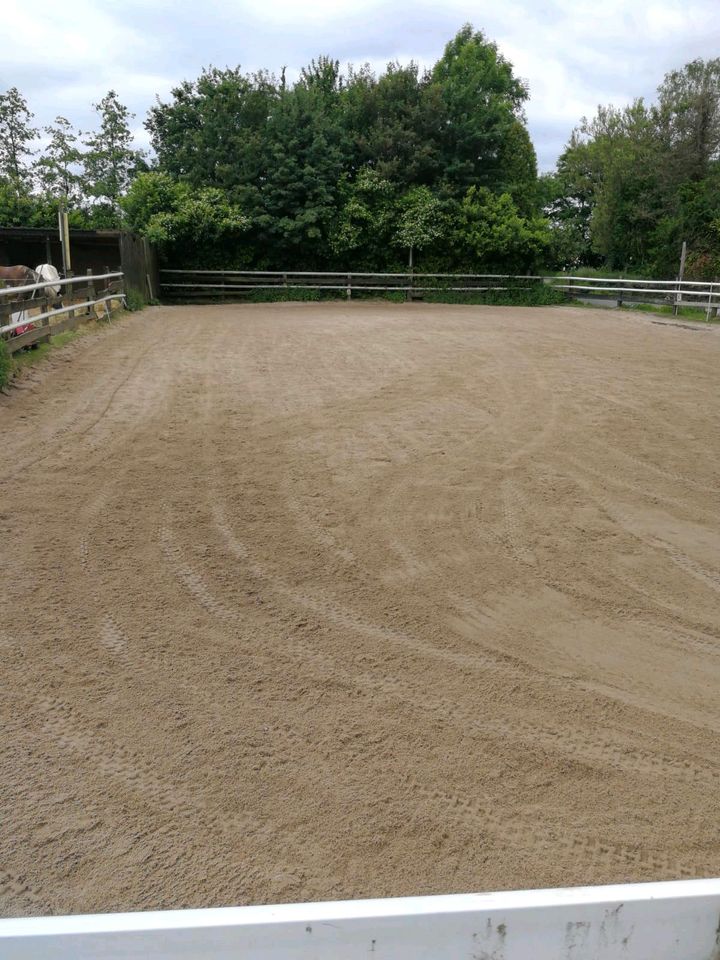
column 575, row 54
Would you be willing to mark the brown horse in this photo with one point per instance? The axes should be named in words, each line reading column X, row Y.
column 17, row 276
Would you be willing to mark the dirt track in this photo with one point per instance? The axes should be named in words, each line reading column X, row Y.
column 307, row 602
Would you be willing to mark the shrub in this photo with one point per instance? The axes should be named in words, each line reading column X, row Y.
column 538, row 295
column 134, row 300
column 5, row 364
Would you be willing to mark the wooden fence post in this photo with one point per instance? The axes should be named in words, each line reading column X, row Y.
column 105, row 290
column 711, row 310
column 349, row 286
column 90, row 291
column 678, row 295
column 71, row 293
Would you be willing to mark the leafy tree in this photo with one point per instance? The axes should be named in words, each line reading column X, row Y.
column 420, row 222
column 363, row 228
column 188, row 226
column 152, row 193
column 688, row 119
column 110, row 160
column 518, row 174
column 25, row 209
column 627, row 200
column 338, row 168
column 16, row 135
column 490, row 233
column 299, row 193
column 57, row 167
column 217, row 131
column 567, row 198
column 319, row 166
column 392, row 124
column 482, row 102
column 633, row 183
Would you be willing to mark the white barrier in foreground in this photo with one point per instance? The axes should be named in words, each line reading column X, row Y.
column 677, row 920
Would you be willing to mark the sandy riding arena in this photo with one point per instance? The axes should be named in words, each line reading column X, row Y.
column 321, row 601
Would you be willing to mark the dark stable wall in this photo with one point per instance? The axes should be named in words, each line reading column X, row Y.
column 127, row 252
column 95, row 253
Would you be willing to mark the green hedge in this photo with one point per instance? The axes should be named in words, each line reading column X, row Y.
column 537, row 296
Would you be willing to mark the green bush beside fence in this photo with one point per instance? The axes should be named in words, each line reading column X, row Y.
column 5, row 364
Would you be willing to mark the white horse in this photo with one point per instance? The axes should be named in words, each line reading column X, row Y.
column 45, row 272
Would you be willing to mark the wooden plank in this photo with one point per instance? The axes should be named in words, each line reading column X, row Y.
column 71, row 323
column 64, row 284
column 28, row 338
column 43, row 333
column 671, row 920
column 8, row 307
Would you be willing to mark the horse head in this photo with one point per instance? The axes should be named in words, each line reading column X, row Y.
column 45, row 272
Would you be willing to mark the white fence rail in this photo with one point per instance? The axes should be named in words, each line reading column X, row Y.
column 33, row 312
column 676, row 920
column 226, row 284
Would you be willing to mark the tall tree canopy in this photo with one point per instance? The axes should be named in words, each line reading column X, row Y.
column 343, row 168
column 633, row 183
column 16, row 135
column 347, row 169
column 110, row 160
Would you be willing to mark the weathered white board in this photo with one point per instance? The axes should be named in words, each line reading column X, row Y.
column 655, row 921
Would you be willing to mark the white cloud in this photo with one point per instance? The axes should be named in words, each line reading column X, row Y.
column 574, row 53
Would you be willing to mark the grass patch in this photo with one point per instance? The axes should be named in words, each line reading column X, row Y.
column 285, row 296
column 29, row 358
column 698, row 314
column 6, row 364
column 135, row 300
column 300, row 295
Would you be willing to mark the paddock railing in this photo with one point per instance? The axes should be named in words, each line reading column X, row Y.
column 190, row 284
column 674, row 920
column 32, row 313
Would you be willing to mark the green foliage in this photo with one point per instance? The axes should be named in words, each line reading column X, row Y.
column 491, row 234
column 349, row 170
column 57, row 167
column 5, row 364
column 151, row 193
column 697, row 314
column 134, row 300
column 286, row 296
column 21, row 208
column 687, row 117
column 110, row 161
column 633, row 183
column 567, row 199
column 482, row 102
column 363, row 227
column 182, row 223
column 529, row 295
column 420, row 221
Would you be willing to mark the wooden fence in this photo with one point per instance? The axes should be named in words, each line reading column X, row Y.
column 139, row 266
column 184, row 285
column 37, row 307
column 675, row 920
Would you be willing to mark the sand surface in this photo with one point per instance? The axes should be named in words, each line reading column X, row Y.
column 322, row 601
